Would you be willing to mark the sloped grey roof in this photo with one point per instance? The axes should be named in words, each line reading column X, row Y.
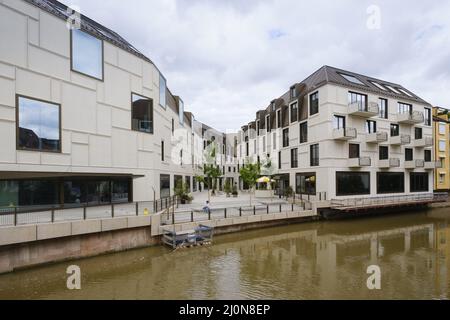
column 333, row 75
column 88, row 25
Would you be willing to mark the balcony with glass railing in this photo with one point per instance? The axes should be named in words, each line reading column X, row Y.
column 378, row 137
column 399, row 140
column 344, row 134
column 414, row 117
column 359, row 162
column 389, row 163
column 363, row 109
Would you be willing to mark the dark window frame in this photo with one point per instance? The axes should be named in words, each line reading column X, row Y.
column 385, row 108
column 354, row 173
column 102, row 79
column 303, row 134
column 371, row 126
column 291, row 111
column 307, row 192
column 397, row 130
column 314, row 161
column 412, row 182
column 418, row 133
column 311, row 105
column 383, row 155
column 409, row 154
column 354, row 154
column 379, row 174
column 285, row 137
column 152, row 109
column 294, row 158
column 18, row 147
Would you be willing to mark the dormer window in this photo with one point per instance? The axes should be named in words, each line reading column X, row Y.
column 293, row 92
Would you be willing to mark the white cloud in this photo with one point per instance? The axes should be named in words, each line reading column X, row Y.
column 228, row 59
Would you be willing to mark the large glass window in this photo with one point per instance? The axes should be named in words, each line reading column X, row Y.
column 9, row 194
column 164, row 183
column 279, row 120
column 286, row 138
column 427, row 113
column 339, row 122
column 162, row 91
column 142, row 114
column 353, row 150
column 268, row 126
column 294, row 112
column 442, row 128
column 304, row 132
column 294, row 158
column 383, row 108
column 442, row 145
column 314, row 103
column 404, row 108
column 305, row 183
column 395, row 130
column 38, row 125
column 390, row 182
column 352, row 183
column 87, row 54
column 384, row 153
column 75, row 192
column 120, row 190
column 360, row 99
column 409, row 154
column 371, row 126
column 38, row 193
column 418, row 182
column 314, row 155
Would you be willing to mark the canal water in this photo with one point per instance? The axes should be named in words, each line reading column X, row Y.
column 322, row 260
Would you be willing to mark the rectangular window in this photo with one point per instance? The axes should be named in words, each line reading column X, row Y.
column 384, row 153
column 274, row 141
column 390, row 182
column 314, row 155
column 339, row 122
column 279, row 125
column 246, row 149
column 305, row 183
column 257, row 128
column 404, row 108
column 87, row 54
column 268, row 127
column 162, row 91
column 38, row 125
column 442, row 145
column 395, row 130
column 418, row 133
column 383, row 108
column 142, row 114
column 294, row 158
column 418, row 182
column 442, row 128
column 286, row 138
column 409, row 154
column 314, row 103
column 164, row 182
column 304, row 132
column 293, row 92
column 360, row 99
column 254, row 147
column 441, row 178
column 353, row 150
column 279, row 160
column 181, row 111
column 173, row 126
column 294, row 112
column 188, row 183
column 427, row 114
column 162, row 151
column 371, row 126
column 427, row 155
column 352, row 183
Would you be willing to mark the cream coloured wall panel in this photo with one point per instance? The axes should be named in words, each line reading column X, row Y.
column 7, row 113
column 7, row 96
column 145, row 160
column 79, row 109
column 130, row 62
column 117, row 87
column 48, row 63
column 80, row 155
column 104, row 123
column 121, row 118
column 55, row 159
column 23, row 7
column 33, row 32
column 7, row 71
column 54, row 34
column 99, row 151
column 111, row 54
column 28, row 157
column 124, row 148
column 13, row 45
column 7, row 142
column 33, row 85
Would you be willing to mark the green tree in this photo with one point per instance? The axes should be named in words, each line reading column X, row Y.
column 249, row 174
column 227, row 187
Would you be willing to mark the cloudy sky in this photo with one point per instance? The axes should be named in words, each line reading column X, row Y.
column 229, row 58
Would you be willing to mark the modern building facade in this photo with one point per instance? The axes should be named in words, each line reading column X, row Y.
column 85, row 118
column 441, row 133
column 338, row 134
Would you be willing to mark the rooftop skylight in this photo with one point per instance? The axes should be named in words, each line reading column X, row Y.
column 393, row 89
column 379, row 86
column 351, row 78
column 406, row 92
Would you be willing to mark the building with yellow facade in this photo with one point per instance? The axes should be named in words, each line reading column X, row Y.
column 441, row 134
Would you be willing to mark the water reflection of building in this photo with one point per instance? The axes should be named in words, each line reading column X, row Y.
column 443, row 259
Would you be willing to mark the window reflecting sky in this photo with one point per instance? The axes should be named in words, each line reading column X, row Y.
column 87, row 55
column 40, row 117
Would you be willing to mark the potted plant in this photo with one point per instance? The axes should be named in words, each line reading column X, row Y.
column 182, row 193
column 288, row 192
column 227, row 188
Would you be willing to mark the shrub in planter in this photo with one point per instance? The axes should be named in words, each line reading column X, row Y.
column 235, row 192
column 182, row 192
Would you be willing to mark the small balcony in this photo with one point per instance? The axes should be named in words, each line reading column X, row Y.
column 414, row 164
column 389, row 163
column 424, row 142
column 400, row 140
column 432, row 165
column 378, row 137
column 359, row 162
column 414, row 117
column 344, row 134
column 361, row 109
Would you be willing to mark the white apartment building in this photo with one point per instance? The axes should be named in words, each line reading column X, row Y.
column 85, row 118
column 339, row 135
